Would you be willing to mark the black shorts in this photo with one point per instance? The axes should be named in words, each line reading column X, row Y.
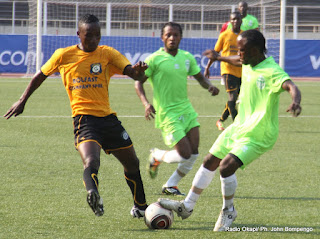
column 105, row 131
column 231, row 82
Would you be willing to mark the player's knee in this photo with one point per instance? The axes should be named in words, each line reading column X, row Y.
column 232, row 109
column 185, row 166
column 227, row 167
column 131, row 164
column 135, row 164
column 233, row 95
column 92, row 161
column 211, row 162
column 224, row 171
column 186, row 154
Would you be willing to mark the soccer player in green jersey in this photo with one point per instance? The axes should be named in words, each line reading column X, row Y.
column 254, row 130
column 248, row 21
column 168, row 70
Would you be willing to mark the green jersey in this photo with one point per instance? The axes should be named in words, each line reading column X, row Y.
column 248, row 22
column 257, row 119
column 168, row 77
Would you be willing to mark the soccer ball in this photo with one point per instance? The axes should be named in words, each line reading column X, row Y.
column 157, row 217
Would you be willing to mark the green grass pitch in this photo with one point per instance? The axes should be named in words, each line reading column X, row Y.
column 42, row 195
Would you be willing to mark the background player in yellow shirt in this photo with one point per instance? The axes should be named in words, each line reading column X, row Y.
column 227, row 46
column 86, row 69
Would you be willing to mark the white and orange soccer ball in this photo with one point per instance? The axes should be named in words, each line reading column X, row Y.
column 157, row 217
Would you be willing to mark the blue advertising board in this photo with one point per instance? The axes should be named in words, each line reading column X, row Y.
column 302, row 56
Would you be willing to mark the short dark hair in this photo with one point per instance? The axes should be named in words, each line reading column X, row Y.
column 235, row 13
column 256, row 39
column 172, row 24
column 88, row 18
column 243, row 3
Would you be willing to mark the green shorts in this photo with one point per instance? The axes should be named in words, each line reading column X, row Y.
column 244, row 148
column 177, row 128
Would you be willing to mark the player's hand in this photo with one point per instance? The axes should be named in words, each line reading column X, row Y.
column 294, row 109
column 15, row 110
column 213, row 90
column 138, row 71
column 206, row 72
column 211, row 54
column 140, row 67
column 149, row 111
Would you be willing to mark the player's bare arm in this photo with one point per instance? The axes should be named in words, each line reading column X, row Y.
column 18, row 107
column 212, row 59
column 295, row 107
column 207, row 68
column 213, row 55
column 205, row 83
column 148, row 108
column 136, row 71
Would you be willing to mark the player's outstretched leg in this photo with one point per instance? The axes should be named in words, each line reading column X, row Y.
column 225, row 219
column 176, row 206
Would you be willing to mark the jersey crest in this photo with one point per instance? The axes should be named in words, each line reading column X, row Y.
column 125, row 135
column 95, row 68
column 187, row 65
column 261, row 83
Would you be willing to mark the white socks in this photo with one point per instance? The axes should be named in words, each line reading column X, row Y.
column 168, row 156
column 201, row 180
column 158, row 154
column 186, row 165
column 228, row 189
column 203, row 177
column 184, row 168
column 190, row 200
column 173, row 180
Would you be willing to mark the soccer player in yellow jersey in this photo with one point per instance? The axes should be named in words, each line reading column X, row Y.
column 227, row 46
column 86, row 69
